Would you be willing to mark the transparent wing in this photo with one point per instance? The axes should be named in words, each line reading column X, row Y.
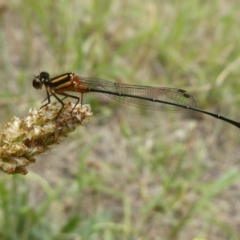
column 152, row 94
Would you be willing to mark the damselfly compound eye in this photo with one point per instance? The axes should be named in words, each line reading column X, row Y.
column 37, row 83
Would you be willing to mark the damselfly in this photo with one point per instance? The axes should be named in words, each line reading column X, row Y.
column 154, row 98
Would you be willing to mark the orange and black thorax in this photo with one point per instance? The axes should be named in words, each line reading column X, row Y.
column 64, row 82
column 59, row 82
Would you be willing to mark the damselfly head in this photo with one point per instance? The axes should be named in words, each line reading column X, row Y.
column 38, row 81
column 44, row 76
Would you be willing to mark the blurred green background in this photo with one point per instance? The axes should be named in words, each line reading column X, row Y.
column 129, row 174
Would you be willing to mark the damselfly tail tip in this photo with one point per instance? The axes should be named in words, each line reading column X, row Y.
column 23, row 139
